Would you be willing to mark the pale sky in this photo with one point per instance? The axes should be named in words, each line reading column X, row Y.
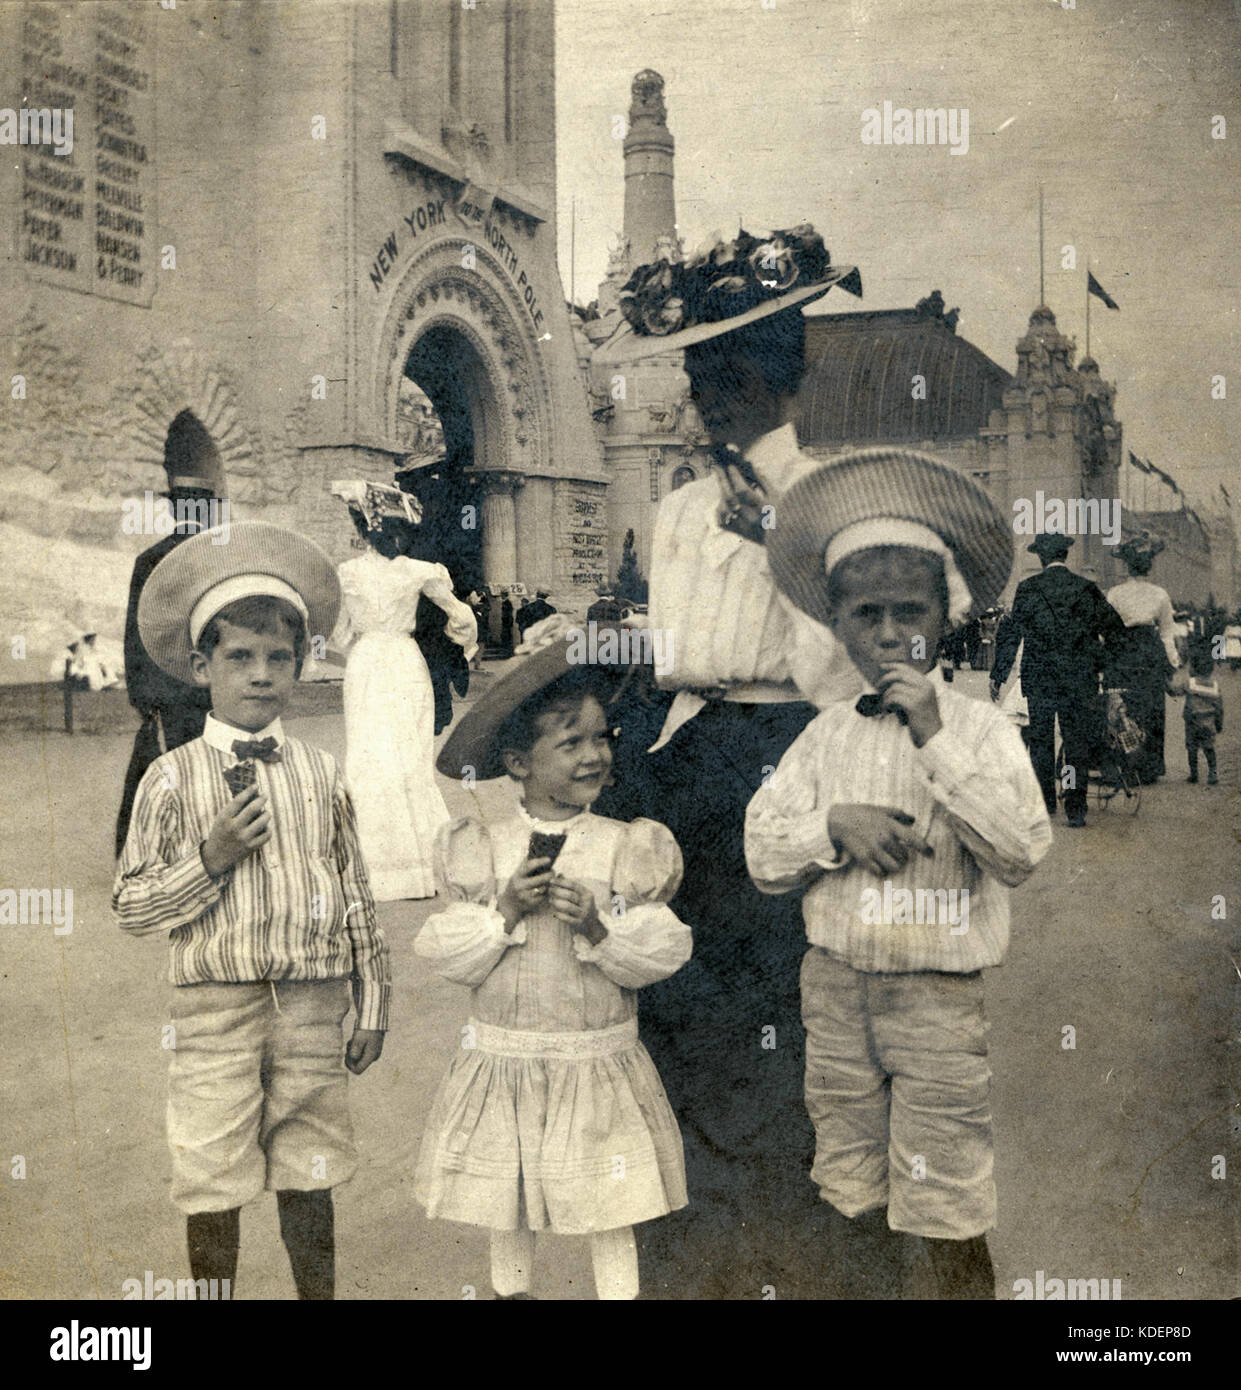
column 1109, row 104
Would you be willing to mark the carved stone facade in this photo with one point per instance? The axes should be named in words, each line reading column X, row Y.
column 408, row 235
column 1056, row 434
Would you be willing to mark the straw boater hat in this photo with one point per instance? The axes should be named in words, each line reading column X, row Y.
column 889, row 497
column 668, row 305
column 190, row 585
column 544, row 655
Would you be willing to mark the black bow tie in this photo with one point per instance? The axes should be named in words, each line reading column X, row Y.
column 265, row 749
column 871, row 707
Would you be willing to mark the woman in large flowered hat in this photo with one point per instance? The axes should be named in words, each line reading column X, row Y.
column 742, row 668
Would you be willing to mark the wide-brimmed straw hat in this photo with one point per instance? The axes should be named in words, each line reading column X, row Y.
column 551, row 648
column 911, row 491
column 376, row 503
column 669, row 305
column 218, row 566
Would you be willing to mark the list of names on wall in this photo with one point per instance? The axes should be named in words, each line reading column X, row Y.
column 87, row 210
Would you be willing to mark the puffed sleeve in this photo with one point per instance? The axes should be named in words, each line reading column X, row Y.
column 466, row 939
column 646, row 941
column 462, row 626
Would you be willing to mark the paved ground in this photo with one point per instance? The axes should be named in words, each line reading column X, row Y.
column 1104, row 1152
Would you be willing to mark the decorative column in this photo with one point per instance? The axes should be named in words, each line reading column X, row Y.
column 499, row 522
column 650, row 201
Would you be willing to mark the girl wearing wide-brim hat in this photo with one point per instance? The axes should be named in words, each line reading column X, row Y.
column 552, row 1115
column 1147, row 654
column 745, row 667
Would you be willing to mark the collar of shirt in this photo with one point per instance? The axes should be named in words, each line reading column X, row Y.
column 218, row 734
column 777, row 460
column 776, row 456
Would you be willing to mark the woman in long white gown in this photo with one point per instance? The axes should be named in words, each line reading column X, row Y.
column 389, row 701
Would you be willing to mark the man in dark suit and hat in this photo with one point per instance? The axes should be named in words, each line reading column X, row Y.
column 164, row 703
column 1065, row 622
column 534, row 612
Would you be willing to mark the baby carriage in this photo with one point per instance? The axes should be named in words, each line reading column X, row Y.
column 1115, row 742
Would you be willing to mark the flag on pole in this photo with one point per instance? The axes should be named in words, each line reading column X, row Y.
column 1093, row 287
column 1137, row 462
column 1224, row 490
column 1167, row 478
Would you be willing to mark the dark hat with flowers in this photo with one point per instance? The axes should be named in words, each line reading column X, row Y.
column 669, row 305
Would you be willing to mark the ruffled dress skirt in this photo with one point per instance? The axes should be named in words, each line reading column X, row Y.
column 567, row 1131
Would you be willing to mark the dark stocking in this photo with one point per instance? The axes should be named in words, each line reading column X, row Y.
column 213, row 1238
column 963, row 1268
column 308, row 1229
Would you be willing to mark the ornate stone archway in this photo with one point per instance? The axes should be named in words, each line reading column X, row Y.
column 458, row 297
column 457, row 284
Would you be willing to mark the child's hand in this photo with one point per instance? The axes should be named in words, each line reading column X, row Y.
column 364, row 1048
column 904, row 688
column 877, row 838
column 573, row 903
column 243, row 826
column 525, row 892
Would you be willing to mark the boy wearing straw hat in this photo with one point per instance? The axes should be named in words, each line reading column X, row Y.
column 243, row 850
column 906, row 816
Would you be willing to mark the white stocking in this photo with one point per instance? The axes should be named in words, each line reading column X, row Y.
column 614, row 1255
column 512, row 1261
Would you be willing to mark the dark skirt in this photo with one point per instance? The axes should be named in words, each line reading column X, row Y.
column 1140, row 669
column 725, row 1031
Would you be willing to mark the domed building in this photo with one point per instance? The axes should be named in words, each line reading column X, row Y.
column 1043, row 437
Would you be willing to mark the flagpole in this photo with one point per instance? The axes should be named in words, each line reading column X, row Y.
column 1087, row 306
column 1040, row 245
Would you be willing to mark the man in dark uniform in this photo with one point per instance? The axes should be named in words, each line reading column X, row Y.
column 1066, row 623
column 163, row 703
column 534, row 612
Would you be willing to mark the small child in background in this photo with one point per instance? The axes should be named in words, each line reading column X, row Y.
column 552, row 1115
column 1204, row 714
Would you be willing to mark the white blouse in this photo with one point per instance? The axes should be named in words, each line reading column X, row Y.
column 536, row 977
column 713, row 591
column 1143, row 604
column 381, row 596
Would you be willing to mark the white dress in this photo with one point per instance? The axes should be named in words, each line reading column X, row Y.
column 390, row 716
column 552, row 1114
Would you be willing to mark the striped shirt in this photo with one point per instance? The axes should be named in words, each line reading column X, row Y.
column 973, row 797
column 713, row 592
column 298, row 908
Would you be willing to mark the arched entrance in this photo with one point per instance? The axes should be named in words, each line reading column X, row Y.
column 448, row 371
column 455, row 327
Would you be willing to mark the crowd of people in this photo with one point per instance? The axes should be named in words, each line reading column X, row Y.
column 698, row 1033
